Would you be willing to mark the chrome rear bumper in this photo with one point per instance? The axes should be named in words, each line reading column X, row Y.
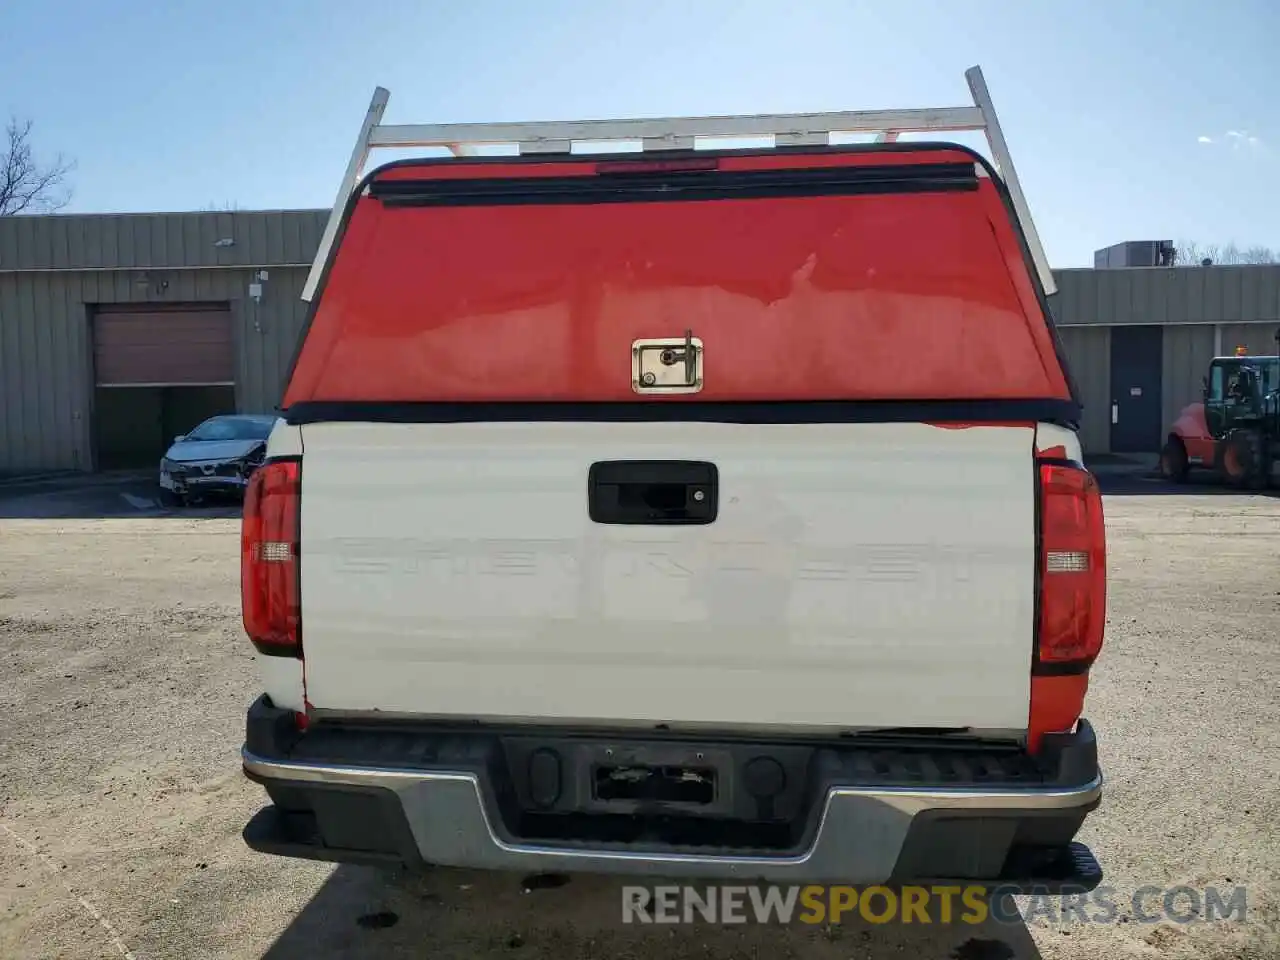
column 449, row 817
column 860, row 835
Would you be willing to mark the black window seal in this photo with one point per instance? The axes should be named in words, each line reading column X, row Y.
column 664, row 186
column 1046, row 410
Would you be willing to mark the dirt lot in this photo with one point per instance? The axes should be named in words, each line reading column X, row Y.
column 124, row 677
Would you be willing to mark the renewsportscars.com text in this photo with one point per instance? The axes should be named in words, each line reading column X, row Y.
column 969, row 904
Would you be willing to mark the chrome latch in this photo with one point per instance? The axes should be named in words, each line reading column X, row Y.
column 667, row 365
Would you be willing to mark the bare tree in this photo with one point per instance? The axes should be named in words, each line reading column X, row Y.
column 1259, row 254
column 1192, row 254
column 27, row 185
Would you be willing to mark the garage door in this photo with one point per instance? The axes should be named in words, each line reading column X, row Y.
column 163, row 347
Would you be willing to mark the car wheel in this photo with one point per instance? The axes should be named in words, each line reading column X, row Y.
column 171, row 499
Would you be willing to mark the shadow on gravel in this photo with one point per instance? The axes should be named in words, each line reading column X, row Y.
column 101, row 496
column 366, row 913
column 1123, row 485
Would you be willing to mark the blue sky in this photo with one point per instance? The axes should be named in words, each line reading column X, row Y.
column 180, row 105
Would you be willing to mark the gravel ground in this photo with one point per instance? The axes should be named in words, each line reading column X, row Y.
column 124, row 677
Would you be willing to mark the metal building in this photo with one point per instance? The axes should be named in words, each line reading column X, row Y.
column 1139, row 341
column 118, row 332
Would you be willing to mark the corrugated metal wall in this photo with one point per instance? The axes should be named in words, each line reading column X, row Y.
column 55, row 269
column 173, row 240
column 1258, row 338
column 1188, row 348
column 1168, row 295
column 1189, row 301
column 46, row 395
column 1089, row 356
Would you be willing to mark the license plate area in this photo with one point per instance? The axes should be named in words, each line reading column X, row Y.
column 626, row 777
column 666, row 784
column 635, row 778
column 635, row 791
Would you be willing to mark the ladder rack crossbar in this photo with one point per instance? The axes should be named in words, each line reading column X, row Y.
column 949, row 119
column 797, row 129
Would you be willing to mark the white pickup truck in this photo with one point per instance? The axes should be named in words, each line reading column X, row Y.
column 686, row 510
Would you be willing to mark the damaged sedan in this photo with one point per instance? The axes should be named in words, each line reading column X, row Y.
column 217, row 457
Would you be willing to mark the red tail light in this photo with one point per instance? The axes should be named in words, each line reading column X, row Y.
column 269, row 576
column 1073, row 567
column 1073, row 598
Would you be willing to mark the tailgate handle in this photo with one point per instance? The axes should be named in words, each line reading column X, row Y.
column 652, row 491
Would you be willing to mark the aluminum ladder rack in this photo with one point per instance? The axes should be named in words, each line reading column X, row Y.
column 683, row 133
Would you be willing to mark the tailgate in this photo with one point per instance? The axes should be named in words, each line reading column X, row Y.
column 856, row 575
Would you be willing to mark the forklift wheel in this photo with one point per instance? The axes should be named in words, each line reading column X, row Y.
column 1174, row 465
column 1241, row 460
